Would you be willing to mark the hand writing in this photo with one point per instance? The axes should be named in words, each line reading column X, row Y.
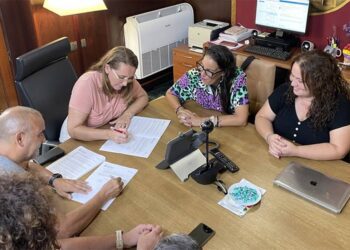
column 119, row 135
column 111, row 189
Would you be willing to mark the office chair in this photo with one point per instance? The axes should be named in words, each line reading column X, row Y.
column 260, row 83
column 44, row 81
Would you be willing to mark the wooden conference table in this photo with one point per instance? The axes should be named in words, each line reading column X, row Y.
column 281, row 221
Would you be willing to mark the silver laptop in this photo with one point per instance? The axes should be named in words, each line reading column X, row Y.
column 314, row 186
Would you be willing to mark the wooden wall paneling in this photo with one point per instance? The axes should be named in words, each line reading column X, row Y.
column 116, row 30
column 233, row 12
column 3, row 103
column 208, row 9
column 8, row 94
column 203, row 9
column 18, row 28
column 94, row 28
column 125, row 8
column 50, row 26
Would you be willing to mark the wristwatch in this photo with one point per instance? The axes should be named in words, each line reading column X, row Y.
column 53, row 178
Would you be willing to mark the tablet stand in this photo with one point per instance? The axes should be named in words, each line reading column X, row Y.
column 181, row 146
column 207, row 173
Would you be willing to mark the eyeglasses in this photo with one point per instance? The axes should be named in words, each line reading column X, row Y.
column 123, row 79
column 207, row 72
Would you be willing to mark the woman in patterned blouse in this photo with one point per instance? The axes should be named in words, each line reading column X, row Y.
column 216, row 84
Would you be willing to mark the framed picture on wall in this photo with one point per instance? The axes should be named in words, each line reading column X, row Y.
column 319, row 7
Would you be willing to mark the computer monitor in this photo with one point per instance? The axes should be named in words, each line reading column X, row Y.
column 283, row 15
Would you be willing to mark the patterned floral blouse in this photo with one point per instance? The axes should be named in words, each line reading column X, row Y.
column 191, row 87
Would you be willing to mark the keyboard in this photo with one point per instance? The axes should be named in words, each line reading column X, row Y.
column 270, row 52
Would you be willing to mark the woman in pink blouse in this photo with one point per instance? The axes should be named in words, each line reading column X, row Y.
column 107, row 94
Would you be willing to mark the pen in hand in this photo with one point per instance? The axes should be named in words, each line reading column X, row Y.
column 121, row 135
column 119, row 130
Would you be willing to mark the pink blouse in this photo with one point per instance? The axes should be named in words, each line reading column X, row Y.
column 88, row 97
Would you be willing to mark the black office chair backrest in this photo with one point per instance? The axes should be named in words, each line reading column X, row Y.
column 44, row 81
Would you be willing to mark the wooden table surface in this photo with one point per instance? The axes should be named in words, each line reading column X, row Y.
column 281, row 221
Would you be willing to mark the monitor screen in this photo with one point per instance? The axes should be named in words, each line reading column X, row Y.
column 288, row 15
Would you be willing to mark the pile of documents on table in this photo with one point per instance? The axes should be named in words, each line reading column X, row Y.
column 236, row 34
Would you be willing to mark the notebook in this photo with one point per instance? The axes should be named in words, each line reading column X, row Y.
column 314, row 186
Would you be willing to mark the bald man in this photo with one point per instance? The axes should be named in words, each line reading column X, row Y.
column 21, row 134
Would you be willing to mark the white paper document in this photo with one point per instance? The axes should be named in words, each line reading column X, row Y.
column 76, row 163
column 101, row 176
column 144, row 135
column 188, row 164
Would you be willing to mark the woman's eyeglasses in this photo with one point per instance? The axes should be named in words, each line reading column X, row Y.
column 207, row 72
column 123, row 79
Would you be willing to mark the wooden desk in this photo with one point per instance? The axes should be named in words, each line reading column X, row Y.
column 281, row 221
column 185, row 59
column 346, row 74
column 279, row 63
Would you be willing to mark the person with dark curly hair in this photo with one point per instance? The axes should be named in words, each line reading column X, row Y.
column 28, row 221
column 216, row 84
column 308, row 117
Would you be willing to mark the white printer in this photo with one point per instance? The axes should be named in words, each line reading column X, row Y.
column 204, row 31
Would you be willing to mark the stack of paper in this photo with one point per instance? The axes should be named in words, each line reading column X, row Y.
column 236, row 30
column 236, row 34
column 101, row 176
column 77, row 163
column 144, row 135
column 228, row 44
column 80, row 161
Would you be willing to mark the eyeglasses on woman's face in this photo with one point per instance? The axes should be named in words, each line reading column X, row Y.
column 207, row 72
column 123, row 78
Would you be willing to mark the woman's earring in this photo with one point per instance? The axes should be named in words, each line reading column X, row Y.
column 222, row 78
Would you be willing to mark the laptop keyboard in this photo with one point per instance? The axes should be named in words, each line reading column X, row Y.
column 269, row 52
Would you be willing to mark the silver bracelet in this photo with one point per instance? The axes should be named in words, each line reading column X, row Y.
column 119, row 239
